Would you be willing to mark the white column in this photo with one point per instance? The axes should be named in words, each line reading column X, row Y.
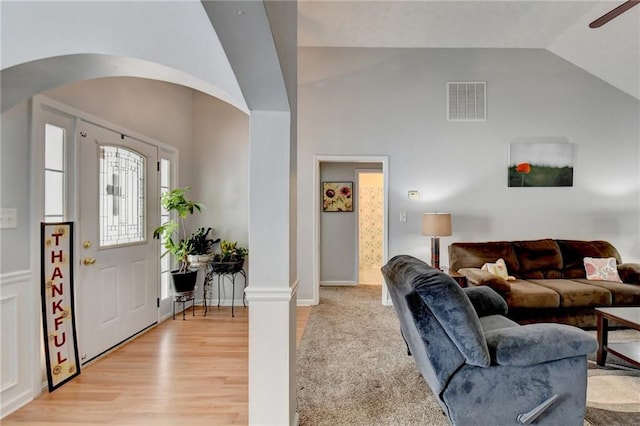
column 272, row 299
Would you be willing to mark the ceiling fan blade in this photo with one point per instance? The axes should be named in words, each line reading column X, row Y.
column 614, row 13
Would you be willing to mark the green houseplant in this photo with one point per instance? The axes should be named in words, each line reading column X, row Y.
column 231, row 257
column 174, row 236
column 201, row 246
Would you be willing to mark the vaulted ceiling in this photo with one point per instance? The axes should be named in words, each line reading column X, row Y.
column 611, row 52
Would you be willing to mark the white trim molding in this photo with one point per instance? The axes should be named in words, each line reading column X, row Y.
column 15, row 277
column 271, row 294
column 19, row 345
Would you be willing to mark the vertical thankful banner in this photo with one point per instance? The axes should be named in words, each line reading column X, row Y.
column 57, row 303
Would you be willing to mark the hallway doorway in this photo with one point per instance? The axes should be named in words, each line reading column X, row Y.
column 336, row 235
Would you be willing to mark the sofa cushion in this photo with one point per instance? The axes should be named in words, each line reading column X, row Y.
column 574, row 252
column 573, row 293
column 483, row 278
column 539, row 259
column 525, row 294
column 486, row 301
column 474, row 255
column 496, row 322
column 621, row 293
column 629, row 272
column 537, row 343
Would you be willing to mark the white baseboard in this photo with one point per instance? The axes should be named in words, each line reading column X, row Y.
column 223, row 302
column 15, row 403
column 305, row 302
column 338, row 283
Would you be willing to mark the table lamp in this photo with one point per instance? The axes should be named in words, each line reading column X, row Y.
column 436, row 225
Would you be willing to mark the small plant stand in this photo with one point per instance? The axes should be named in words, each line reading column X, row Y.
column 222, row 270
column 185, row 297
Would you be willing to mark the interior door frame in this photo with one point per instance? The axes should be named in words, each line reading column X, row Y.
column 318, row 160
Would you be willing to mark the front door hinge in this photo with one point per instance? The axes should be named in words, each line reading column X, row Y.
column 158, row 302
column 158, row 166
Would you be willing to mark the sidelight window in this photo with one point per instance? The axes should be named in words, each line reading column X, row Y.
column 165, row 261
column 54, row 173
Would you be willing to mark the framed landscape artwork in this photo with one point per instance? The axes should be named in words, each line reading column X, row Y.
column 540, row 164
column 337, row 196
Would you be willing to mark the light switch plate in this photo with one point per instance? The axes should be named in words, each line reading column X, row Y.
column 403, row 216
column 8, row 218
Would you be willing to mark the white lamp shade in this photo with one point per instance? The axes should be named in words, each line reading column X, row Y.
column 436, row 224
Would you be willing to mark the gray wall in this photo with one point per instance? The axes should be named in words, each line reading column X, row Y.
column 14, row 187
column 393, row 102
column 220, row 177
column 220, row 160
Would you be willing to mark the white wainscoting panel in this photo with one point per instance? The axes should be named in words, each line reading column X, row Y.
column 17, row 340
column 9, row 341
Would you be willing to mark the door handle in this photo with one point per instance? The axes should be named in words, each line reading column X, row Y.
column 88, row 261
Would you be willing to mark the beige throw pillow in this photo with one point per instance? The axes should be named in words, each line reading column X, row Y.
column 499, row 268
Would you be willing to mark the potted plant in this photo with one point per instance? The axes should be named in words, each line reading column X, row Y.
column 201, row 247
column 230, row 259
column 174, row 237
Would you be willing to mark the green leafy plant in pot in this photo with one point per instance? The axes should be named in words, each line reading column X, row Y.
column 231, row 257
column 201, row 247
column 174, row 237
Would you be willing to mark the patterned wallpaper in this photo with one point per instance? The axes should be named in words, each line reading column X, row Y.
column 370, row 211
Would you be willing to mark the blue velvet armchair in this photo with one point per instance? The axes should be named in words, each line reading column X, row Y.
column 484, row 368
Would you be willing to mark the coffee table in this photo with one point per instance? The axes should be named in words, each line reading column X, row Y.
column 628, row 316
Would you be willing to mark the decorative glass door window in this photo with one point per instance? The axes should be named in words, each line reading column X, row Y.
column 122, row 196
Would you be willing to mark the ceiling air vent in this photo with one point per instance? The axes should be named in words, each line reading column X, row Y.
column 467, row 101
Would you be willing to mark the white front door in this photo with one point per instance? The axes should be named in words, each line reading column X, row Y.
column 117, row 257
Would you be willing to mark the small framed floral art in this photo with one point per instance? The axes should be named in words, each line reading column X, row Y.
column 337, row 196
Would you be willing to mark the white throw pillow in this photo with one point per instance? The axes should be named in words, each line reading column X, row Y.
column 601, row 269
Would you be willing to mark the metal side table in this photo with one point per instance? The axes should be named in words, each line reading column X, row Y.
column 222, row 272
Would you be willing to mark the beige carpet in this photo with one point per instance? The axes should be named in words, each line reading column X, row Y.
column 353, row 369
column 613, row 391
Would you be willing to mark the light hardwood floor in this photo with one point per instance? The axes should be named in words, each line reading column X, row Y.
column 191, row 372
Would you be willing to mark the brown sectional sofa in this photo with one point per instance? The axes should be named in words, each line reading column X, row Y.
column 550, row 281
